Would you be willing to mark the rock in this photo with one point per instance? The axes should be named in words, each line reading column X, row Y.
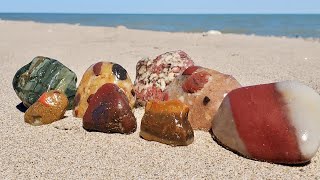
column 43, row 74
column 96, row 76
column 202, row 90
column 167, row 122
column 278, row 122
column 50, row 107
column 152, row 76
column 109, row 111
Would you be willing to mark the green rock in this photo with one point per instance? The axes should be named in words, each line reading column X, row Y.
column 41, row 75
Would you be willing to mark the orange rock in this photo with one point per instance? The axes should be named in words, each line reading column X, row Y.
column 50, row 107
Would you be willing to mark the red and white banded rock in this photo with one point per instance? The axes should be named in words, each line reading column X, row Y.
column 152, row 76
column 278, row 122
column 203, row 90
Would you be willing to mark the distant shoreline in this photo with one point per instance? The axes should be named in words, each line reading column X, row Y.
column 304, row 26
column 202, row 33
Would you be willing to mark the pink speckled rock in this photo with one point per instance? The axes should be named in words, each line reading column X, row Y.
column 153, row 76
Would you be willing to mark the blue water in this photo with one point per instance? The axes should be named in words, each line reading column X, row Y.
column 289, row 25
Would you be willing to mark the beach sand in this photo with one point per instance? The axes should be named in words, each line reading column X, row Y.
column 64, row 150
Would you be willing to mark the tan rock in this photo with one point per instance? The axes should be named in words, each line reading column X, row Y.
column 202, row 90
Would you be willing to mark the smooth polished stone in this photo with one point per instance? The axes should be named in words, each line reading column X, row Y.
column 96, row 76
column 167, row 122
column 43, row 74
column 203, row 90
column 109, row 111
column 278, row 122
column 50, row 107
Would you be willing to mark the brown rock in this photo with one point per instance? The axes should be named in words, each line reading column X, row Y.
column 50, row 107
column 167, row 122
column 109, row 111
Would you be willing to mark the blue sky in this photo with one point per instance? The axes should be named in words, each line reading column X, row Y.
column 162, row 6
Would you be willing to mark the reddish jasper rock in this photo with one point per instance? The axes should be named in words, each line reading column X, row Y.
column 190, row 70
column 97, row 68
column 152, row 76
column 167, row 122
column 278, row 122
column 202, row 90
column 195, row 82
column 109, row 111
column 97, row 75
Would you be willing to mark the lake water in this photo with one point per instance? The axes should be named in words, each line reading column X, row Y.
column 290, row 25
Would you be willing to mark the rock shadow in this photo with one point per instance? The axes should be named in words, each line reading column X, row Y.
column 21, row 107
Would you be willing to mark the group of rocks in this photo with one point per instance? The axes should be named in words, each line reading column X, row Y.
column 277, row 122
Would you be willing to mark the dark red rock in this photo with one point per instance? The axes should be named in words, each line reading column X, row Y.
column 89, row 98
column 109, row 111
column 190, row 70
column 97, row 68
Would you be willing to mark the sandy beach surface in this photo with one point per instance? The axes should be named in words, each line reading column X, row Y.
column 64, row 150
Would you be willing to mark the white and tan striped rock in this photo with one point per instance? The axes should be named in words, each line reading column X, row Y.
column 278, row 122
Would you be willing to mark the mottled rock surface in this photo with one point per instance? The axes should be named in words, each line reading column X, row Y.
column 167, row 122
column 202, row 90
column 43, row 74
column 50, row 107
column 278, row 122
column 96, row 76
column 109, row 111
column 152, row 76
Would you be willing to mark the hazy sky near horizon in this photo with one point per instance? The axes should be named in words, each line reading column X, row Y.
column 162, row 6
